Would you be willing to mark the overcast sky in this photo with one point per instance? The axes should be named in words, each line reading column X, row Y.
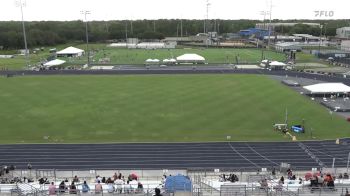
column 170, row 9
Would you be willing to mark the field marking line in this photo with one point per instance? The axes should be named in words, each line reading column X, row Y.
column 234, row 150
column 342, row 159
column 251, row 148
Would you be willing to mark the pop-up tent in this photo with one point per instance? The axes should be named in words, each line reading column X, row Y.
column 178, row 183
column 190, row 58
column 70, row 52
column 54, row 63
column 328, row 88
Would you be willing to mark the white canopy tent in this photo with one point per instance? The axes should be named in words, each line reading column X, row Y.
column 169, row 61
column 70, row 52
column 53, row 63
column 277, row 65
column 328, row 88
column 150, row 61
column 190, row 58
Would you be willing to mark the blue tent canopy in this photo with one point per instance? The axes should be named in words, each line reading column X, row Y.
column 178, row 183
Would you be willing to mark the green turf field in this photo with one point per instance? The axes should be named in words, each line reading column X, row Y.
column 212, row 55
column 138, row 56
column 155, row 108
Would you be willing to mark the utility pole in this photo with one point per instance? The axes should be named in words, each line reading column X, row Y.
column 181, row 28
column 21, row 5
column 85, row 13
column 268, row 45
column 126, row 32
column 208, row 5
column 319, row 43
column 131, row 28
column 177, row 30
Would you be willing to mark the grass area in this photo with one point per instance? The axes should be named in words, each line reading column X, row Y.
column 138, row 56
column 19, row 62
column 155, row 108
column 212, row 55
column 305, row 58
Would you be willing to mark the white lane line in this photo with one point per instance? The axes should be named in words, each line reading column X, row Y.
column 261, row 155
column 342, row 159
column 234, row 150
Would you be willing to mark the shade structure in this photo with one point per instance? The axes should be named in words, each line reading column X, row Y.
column 70, row 51
column 328, row 88
column 190, row 58
column 55, row 62
column 276, row 63
column 152, row 61
column 178, row 183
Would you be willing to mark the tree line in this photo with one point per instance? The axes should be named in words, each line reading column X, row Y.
column 49, row 33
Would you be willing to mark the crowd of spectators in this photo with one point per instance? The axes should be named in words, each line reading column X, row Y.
column 228, row 178
column 115, row 184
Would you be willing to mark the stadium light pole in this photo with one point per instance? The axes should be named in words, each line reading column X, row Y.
column 320, row 40
column 264, row 13
column 85, row 12
column 21, row 5
column 269, row 40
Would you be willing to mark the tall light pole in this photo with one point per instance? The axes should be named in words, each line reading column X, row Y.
column 181, row 28
column 21, row 4
column 207, row 19
column 85, row 12
column 320, row 40
column 268, row 44
column 126, row 31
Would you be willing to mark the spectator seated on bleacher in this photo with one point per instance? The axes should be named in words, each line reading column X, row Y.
column 233, row 178
column 62, row 188
column 75, row 179
column 52, row 189
column 98, row 187
column 346, row 176
column 139, row 187
column 110, row 187
column 115, row 176
column 119, row 185
column 340, row 176
column 127, row 187
column 85, row 188
column 329, row 181
column 281, row 180
column 43, row 181
column 279, row 186
column 132, row 177
column 263, row 184
column 290, row 174
column 109, row 180
column 73, row 189
column 98, row 178
column 157, row 192
column 222, row 178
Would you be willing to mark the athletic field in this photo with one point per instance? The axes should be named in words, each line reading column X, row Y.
column 138, row 56
column 155, row 108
